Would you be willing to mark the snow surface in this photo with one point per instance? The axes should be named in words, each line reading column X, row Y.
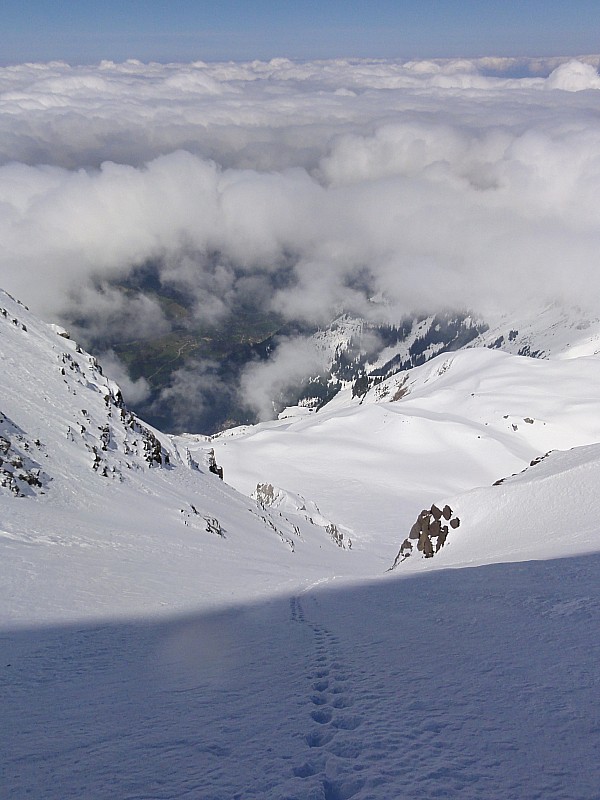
column 164, row 636
column 551, row 331
column 460, row 421
column 476, row 683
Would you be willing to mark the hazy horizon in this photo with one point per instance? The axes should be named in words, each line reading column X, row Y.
column 86, row 33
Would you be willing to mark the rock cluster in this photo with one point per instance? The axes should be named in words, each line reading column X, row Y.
column 211, row 462
column 272, row 497
column 195, row 519
column 429, row 533
column 20, row 470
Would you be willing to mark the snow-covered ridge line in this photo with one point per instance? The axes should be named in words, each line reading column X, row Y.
column 71, row 409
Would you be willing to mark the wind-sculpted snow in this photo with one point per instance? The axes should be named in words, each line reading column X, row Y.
column 549, row 509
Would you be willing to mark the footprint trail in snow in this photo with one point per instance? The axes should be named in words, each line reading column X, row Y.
column 332, row 766
column 476, row 683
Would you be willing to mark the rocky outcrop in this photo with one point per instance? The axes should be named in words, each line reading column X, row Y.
column 21, row 473
column 78, row 398
column 428, row 534
column 268, row 496
column 212, row 464
column 195, row 519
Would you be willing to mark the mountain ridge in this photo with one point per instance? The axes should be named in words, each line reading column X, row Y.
column 86, row 484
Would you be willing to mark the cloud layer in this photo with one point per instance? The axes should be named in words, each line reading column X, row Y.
column 312, row 187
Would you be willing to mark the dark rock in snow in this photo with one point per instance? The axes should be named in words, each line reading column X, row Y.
column 415, row 530
column 441, row 540
column 429, row 532
column 212, row 464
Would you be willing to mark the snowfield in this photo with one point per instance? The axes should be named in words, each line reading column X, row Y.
column 460, row 421
column 470, row 683
column 166, row 635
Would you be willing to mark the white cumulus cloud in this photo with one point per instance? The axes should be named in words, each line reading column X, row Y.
column 308, row 187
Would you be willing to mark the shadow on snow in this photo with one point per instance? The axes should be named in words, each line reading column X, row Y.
column 481, row 682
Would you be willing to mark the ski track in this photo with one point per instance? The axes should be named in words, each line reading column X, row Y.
column 474, row 683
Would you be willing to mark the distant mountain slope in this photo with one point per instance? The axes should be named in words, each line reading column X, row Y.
column 552, row 331
column 461, row 420
column 213, row 357
column 364, row 354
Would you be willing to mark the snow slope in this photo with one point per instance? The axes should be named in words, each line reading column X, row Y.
column 101, row 515
column 551, row 331
column 461, row 420
column 163, row 636
column 474, row 683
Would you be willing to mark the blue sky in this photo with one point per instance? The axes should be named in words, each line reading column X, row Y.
column 85, row 31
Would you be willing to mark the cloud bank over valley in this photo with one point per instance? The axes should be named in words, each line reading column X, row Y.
column 138, row 200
